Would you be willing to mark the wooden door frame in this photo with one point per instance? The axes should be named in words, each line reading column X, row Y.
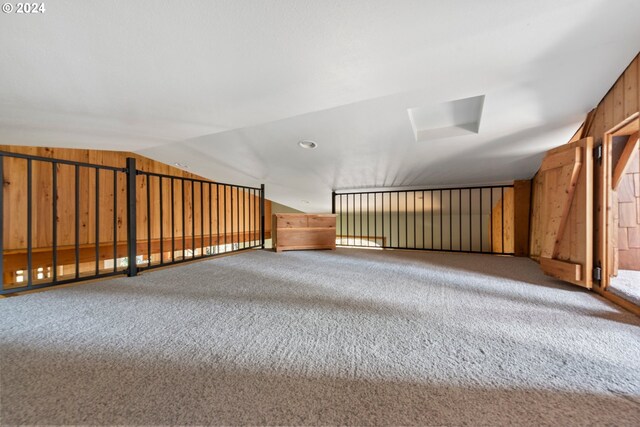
column 628, row 126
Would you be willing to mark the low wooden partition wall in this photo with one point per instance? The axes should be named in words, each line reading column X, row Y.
column 78, row 204
column 297, row 231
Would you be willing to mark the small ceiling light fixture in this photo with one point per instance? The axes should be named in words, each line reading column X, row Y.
column 181, row 165
column 308, row 144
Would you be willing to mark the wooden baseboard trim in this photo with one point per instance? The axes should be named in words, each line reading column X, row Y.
column 617, row 300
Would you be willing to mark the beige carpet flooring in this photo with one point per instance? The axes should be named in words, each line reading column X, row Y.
column 355, row 337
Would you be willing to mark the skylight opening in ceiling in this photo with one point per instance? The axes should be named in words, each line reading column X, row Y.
column 448, row 119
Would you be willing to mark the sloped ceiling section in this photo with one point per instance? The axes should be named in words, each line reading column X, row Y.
column 395, row 93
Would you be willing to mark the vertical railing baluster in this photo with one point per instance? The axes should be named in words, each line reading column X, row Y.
column 360, row 219
column 210, row 220
column 432, row 222
column 502, row 228
column 262, row 214
column 54, row 217
column 368, row 221
column 132, row 236
column 424, row 245
column 460, row 217
column 77, row 224
column 148, row 219
column 161, row 197
column 97, row 216
column 470, row 223
column 355, row 221
column 398, row 217
column 341, row 221
column 450, row 221
column 173, row 222
column 491, row 220
column 481, row 223
column 217, row 218
column 415, row 229
column 224, row 187
column 115, row 220
column 441, row 214
column 375, row 219
column 201, row 219
column 234, row 213
column 184, row 241
column 347, row 214
column 193, row 219
column 244, row 219
column 382, row 233
column 390, row 220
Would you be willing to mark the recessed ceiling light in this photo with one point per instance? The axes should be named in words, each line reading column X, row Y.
column 307, row 143
column 181, row 165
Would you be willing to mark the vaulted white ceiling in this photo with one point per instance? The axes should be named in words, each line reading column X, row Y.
column 230, row 87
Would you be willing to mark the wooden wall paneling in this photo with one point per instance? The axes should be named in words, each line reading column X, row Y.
column 631, row 88
column 509, row 220
column 165, row 225
column 14, row 211
column 537, row 219
column 496, row 230
column 607, row 106
column 141, row 214
column 122, row 207
column 87, row 205
column 42, row 192
column 66, row 204
column 522, row 208
column 598, row 127
column 618, row 101
column 105, row 211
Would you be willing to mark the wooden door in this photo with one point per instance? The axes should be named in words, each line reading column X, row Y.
column 566, row 184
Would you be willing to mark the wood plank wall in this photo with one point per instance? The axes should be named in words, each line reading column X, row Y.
column 503, row 227
column 620, row 102
column 15, row 207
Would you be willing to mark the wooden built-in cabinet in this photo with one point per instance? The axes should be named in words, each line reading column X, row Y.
column 292, row 231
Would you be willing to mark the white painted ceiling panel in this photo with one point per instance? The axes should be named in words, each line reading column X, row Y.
column 229, row 87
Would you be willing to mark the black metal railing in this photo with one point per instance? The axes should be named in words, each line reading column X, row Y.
column 91, row 236
column 469, row 219
column 214, row 218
